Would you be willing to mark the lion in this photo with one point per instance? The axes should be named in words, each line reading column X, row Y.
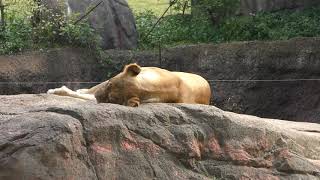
column 136, row 85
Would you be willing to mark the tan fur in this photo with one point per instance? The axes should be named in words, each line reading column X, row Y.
column 85, row 94
column 136, row 85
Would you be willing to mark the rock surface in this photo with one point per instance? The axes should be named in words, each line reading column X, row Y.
column 112, row 20
column 52, row 137
column 279, row 60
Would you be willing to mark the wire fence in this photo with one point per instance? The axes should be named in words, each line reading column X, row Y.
column 261, row 80
column 210, row 81
column 39, row 82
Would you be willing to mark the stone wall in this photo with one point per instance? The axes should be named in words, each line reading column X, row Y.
column 56, row 67
column 277, row 60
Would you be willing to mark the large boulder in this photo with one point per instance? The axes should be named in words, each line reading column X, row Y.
column 254, row 6
column 53, row 137
column 112, row 20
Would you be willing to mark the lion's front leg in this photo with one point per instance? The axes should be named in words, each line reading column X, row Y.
column 83, row 91
column 133, row 102
column 63, row 91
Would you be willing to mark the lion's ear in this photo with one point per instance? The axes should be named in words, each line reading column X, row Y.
column 132, row 69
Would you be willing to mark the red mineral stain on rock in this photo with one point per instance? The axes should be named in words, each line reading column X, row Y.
column 267, row 177
column 151, row 148
column 128, row 145
column 195, row 149
column 256, row 147
column 252, row 175
column 263, row 163
column 214, row 147
column 178, row 174
column 283, row 153
column 270, row 178
column 102, row 148
column 238, row 155
column 263, row 143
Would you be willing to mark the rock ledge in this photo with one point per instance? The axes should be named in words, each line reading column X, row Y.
column 51, row 137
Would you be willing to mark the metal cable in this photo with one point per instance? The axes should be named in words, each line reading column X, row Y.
column 211, row 80
column 261, row 80
column 32, row 82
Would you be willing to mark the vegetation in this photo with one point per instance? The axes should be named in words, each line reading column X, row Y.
column 156, row 6
column 186, row 29
column 29, row 26
column 272, row 26
column 217, row 10
column 173, row 30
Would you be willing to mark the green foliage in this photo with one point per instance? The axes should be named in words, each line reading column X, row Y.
column 181, row 5
column 216, row 9
column 19, row 8
column 272, row 26
column 80, row 35
column 178, row 29
column 173, row 29
column 29, row 26
column 157, row 6
column 219, row 7
column 16, row 37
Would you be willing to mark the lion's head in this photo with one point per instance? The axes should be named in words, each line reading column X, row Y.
column 121, row 89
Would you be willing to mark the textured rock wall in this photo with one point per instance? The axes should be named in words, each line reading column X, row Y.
column 276, row 60
column 56, row 67
column 53, row 137
column 293, row 59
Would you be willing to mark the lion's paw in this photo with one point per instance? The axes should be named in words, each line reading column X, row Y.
column 63, row 91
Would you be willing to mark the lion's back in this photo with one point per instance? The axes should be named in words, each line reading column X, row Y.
column 175, row 86
column 197, row 89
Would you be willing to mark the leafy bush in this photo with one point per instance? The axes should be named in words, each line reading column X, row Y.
column 15, row 37
column 272, row 26
column 173, row 29
column 217, row 10
column 177, row 29
column 51, row 30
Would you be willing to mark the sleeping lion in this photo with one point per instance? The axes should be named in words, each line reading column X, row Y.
column 136, row 85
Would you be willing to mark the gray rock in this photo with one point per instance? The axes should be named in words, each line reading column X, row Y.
column 54, row 137
column 112, row 20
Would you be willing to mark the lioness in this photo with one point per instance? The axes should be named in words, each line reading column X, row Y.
column 136, row 85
